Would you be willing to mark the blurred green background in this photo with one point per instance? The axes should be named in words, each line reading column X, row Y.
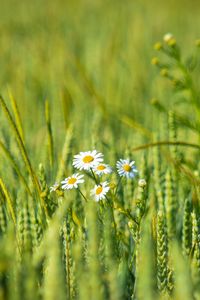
column 92, row 60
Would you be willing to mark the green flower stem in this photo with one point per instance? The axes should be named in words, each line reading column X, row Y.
column 118, row 183
column 93, row 175
column 82, row 195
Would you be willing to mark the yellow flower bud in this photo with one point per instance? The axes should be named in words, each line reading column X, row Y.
column 155, row 61
column 164, row 72
column 158, row 46
column 112, row 185
column 169, row 39
column 130, row 224
column 197, row 43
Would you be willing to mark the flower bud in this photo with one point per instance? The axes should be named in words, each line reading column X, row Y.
column 164, row 72
column 169, row 39
column 155, row 61
column 197, row 43
column 130, row 224
column 158, row 46
column 142, row 183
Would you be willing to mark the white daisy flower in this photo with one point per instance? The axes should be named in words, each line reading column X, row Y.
column 102, row 169
column 72, row 181
column 87, row 160
column 126, row 168
column 100, row 191
column 54, row 187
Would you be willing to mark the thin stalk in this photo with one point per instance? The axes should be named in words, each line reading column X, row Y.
column 49, row 133
column 93, row 175
column 118, row 183
column 9, row 200
column 166, row 143
column 15, row 166
column 82, row 195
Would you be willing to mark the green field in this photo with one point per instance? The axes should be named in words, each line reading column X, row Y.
column 121, row 78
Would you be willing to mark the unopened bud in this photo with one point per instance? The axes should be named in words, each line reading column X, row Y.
column 155, row 61
column 164, row 72
column 167, row 37
column 197, row 43
column 158, row 46
column 142, row 183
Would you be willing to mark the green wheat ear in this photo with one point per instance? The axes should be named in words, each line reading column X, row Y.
column 3, row 217
column 35, row 225
column 157, row 178
column 162, row 253
column 65, row 153
column 17, row 115
column 145, row 284
column 196, row 253
column 173, row 134
column 171, row 205
column 187, row 228
column 10, row 202
column 49, row 134
column 45, row 192
column 68, row 259
column 54, row 279
column 111, row 248
column 95, row 281
column 24, row 224
column 183, row 284
column 54, row 284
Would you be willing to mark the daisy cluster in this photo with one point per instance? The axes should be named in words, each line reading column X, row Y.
column 92, row 161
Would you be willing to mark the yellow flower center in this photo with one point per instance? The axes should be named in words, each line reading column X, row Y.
column 88, row 159
column 99, row 190
column 127, row 168
column 72, row 180
column 101, row 168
